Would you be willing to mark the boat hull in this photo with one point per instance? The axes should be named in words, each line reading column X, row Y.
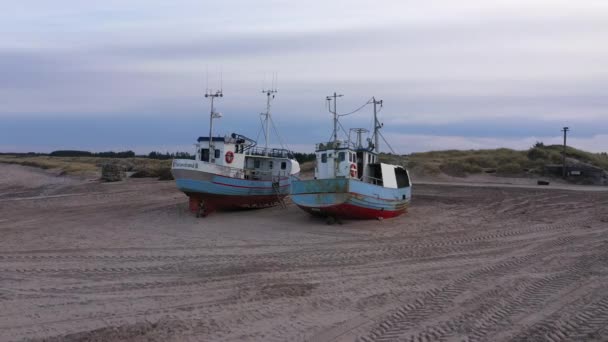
column 349, row 198
column 222, row 192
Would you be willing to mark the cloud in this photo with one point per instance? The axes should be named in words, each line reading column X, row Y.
column 434, row 63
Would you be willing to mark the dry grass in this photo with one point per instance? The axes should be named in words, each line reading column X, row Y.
column 86, row 165
column 502, row 161
column 307, row 166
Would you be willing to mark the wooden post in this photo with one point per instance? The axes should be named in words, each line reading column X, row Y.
column 565, row 130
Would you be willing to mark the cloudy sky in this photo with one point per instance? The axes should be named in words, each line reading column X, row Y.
column 121, row 74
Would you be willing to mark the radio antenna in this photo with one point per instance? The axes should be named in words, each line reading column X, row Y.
column 212, row 115
column 267, row 117
column 206, row 78
column 221, row 80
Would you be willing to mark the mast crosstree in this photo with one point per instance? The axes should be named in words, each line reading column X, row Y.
column 267, row 117
column 335, row 113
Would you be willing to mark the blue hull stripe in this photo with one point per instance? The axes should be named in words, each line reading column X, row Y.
column 226, row 186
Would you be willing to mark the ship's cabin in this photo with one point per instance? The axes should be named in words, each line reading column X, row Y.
column 239, row 152
column 336, row 159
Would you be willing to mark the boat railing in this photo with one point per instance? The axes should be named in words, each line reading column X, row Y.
column 265, row 175
column 331, row 145
column 271, row 152
column 371, row 180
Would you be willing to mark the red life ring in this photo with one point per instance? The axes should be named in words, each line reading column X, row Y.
column 229, row 157
column 353, row 170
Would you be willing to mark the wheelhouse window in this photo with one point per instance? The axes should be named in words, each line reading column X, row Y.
column 217, row 153
column 270, row 164
column 324, row 158
column 342, row 156
column 256, row 164
column 205, row 154
column 403, row 180
column 283, row 165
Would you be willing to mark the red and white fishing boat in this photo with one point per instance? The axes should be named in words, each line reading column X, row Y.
column 233, row 172
column 350, row 181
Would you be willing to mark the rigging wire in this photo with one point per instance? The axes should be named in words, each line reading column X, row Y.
column 356, row 110
column 373, row 126
column 276, row 131
column 343, row 130
column 386, row 142
column 353, row 112
column 261, row 130
column 328, row 103
column 332, row 134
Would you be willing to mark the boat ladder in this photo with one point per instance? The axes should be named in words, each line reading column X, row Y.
column 277, row 190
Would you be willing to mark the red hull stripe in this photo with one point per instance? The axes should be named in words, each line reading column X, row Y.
column 352, row 211
column 226, row 201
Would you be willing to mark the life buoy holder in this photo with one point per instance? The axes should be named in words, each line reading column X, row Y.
column 229, row 157
column 353, row 170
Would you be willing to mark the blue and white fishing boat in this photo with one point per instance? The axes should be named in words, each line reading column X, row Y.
column 232, row 172
column 349, row 180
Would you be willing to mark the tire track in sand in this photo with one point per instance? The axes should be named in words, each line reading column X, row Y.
column 403, row 319
column 531, row 297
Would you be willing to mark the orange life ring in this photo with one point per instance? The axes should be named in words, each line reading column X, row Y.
column 229, row 157
column 353, row 170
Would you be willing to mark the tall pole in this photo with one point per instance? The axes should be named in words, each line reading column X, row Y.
column 377, row 125
column 211, row 126
column 267, row 117
column 565, row 130
column 212, row 115
column 335, row 112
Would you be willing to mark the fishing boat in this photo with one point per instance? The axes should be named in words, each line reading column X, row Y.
column 350, row 181
column 232, row 172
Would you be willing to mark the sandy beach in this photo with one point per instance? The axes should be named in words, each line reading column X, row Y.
column 82, row 260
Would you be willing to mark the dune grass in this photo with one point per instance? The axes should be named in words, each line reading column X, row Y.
column 502, row 161
column 86, row 165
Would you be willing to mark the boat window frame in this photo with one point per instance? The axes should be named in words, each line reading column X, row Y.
column 323, row 158
column 341, row 156
column 217, row 153
column 283, row 165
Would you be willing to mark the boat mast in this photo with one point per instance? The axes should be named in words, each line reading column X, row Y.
column 212, row 115
column 377, row 125
column 335, row 113
column 267, row 117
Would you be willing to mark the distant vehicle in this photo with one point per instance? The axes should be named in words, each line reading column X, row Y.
column 232, row 172
column 350, row 182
